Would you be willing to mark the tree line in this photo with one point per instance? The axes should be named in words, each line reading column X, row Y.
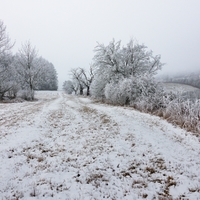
column 24, row 72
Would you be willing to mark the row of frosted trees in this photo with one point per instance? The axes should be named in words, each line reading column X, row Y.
column 124, row 75
column 23, row 73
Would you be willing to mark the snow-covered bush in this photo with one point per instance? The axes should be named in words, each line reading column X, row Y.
column 97, row 88
column 120, row 93
column 26, row 94
column 152, row 102
column 68, row 87
column 192, row 95
column 141, row 92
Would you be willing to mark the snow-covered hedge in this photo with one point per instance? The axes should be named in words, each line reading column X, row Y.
column 147, row 96
column 141, row 92
column 174, row 108
column 185, row 113
column 121, row 93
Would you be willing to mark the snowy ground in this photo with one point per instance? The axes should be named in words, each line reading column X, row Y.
column 65, row 147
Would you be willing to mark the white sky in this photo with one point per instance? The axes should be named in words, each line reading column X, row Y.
column 66, row 31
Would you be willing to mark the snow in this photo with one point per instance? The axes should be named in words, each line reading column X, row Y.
column 69, row 147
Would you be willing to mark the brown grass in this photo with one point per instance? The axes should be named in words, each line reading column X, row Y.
column 139, row 184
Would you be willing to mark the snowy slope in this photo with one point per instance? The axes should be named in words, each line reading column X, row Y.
column 67, row 147
column 178, row 87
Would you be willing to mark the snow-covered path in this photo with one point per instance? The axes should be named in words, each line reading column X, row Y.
column 67, row 147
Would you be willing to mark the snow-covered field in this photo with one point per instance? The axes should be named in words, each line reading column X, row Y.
column 178, row 87
column 68, row 147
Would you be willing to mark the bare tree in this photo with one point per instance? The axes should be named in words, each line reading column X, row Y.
column 83, row 78
column 87, row 78
column 29, row 67
column 77, row 77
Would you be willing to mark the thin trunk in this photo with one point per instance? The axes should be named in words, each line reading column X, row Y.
column 81, row 90
column 88, row 91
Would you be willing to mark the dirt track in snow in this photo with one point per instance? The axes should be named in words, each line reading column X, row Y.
column 65, row 147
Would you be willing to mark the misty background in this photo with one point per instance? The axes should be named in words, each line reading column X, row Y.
column 66, row 32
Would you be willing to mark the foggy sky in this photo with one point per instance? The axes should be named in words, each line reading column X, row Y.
column 65, row 32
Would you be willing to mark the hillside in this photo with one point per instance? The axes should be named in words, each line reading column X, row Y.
column 178, row 87
column 187, row 78
column 68, row 147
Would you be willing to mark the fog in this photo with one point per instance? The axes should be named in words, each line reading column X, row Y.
column 66, row 32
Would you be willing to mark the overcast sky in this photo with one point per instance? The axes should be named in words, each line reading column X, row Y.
column 65, row 32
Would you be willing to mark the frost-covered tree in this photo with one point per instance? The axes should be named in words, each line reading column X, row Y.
column 24, row 71
column 106, row 66
column 114, row 64
column 137, row 60
column 5, row 45
column 6, row 82
column 29, row 68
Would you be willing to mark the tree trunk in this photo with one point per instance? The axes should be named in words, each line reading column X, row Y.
column 81, row 90
column 88, row 90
